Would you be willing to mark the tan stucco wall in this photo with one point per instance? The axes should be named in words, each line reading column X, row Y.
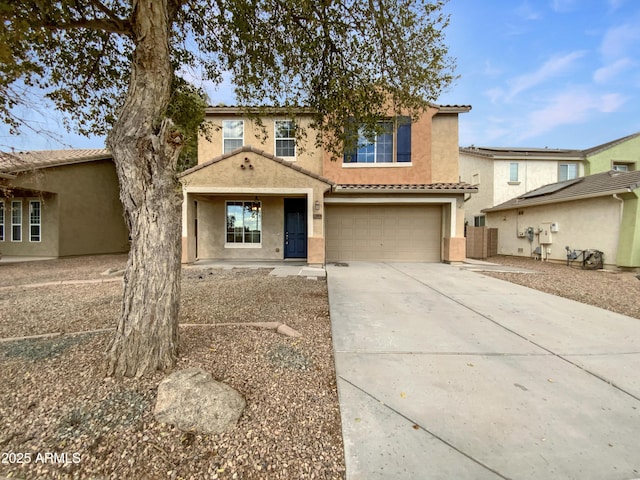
column 309, row 156
column 585, row 224
column 86, row 208
column 444, row 150
column 48, row 244
column 478, row 172
column 264, row 178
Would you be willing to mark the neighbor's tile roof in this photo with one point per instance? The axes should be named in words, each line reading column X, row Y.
column 600, row 184
column 21, row 161
column 423, row 187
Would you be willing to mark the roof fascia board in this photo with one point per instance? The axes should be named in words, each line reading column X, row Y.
column 558, row 200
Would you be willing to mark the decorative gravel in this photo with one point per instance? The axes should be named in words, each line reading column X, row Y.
column 61, row 418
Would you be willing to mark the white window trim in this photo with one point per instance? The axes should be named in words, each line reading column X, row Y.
column 275, row 141
column 394, row 163
column 568, row 164
column 378, row 165
column 237, row 244
column 2, row 220
column 16, row 202
column 39, row 224
column 514, row 181
column 232, row 138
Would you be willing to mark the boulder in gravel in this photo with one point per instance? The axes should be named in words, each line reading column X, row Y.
column 193, row 401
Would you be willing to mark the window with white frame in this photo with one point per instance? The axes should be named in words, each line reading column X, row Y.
column 623, row 166
column 285, row 135
column 1, row 220
column 513, row 172
column 391, row 144
column 479, row 221
column 35, row 220
column 567, row 171
column 244, row 222
column 232, row 135
column 16, row 221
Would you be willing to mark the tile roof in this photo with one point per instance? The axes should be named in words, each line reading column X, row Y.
column 21, row 161
column 247, row 149
column 600, row 184
column 411, row 188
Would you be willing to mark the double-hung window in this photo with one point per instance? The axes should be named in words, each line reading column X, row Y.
column 16, row 221
column 390, row 144
column 35, row 221
column 1, row 220
column 567, row 171
column 232, row 135
column 285, row 134
column 513, row 172
column 244, row 223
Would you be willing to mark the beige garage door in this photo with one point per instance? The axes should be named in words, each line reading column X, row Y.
column 383, row 233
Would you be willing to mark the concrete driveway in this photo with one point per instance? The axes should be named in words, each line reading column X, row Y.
column 445, row 373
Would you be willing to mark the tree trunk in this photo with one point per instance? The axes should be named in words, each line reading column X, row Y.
column 145, row 150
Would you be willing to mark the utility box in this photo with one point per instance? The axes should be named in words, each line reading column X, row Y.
column 545, row 234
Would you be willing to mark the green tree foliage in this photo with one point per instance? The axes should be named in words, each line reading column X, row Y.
column 113, row 67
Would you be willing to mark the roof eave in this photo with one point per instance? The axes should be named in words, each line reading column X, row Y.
column 516, row 206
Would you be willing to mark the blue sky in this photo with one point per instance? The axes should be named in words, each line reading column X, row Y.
column 538, row 73
column 552, row 73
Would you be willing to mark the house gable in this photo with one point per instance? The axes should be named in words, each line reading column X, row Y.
column 250, row 168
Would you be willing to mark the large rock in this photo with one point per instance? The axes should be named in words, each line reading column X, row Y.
column 193, row 401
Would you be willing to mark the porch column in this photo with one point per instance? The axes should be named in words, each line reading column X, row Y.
column 188, row 228
column 455, row 245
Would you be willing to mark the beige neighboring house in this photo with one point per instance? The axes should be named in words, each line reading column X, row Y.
column 269, row 197
column 59, row 203
column 501, row 174
column 596, row 212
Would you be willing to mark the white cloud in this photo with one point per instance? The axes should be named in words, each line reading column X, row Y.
column 612, row 71
column 554, row 67
column 570, row 107
column 562, row 6
column 527, row 12
column 617, row 41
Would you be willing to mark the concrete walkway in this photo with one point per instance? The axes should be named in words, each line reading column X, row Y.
column 444, row 373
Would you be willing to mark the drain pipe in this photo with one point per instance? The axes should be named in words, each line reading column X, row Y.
column 615, row 195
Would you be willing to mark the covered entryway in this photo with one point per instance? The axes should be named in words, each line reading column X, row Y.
column 392, row 232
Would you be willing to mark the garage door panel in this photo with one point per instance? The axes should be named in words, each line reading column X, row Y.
column 383, row 232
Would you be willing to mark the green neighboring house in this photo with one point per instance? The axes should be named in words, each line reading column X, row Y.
column 58, row 203
column 622, row 155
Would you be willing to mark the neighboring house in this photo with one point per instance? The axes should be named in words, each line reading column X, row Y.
column 504, row 173
column 622, row 155
column 60, row 202
column 599, row 212
column 397, row 198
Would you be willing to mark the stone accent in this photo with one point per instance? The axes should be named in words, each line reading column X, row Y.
column 193, row 401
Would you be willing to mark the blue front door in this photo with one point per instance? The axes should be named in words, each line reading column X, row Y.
column 295, row 228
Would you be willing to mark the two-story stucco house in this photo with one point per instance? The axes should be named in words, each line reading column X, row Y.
column 269, row 197
column 501, row 174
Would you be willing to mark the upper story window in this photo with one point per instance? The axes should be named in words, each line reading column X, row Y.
column 232, row 135
column 16, row 221
column 567, row 171
column 285, row 135
column 513, row 172
column 623, row 166
column 391, row 145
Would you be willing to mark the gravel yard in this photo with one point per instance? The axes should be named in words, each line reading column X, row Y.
column 59, row 412
column 613, row 290
column 55, row 400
